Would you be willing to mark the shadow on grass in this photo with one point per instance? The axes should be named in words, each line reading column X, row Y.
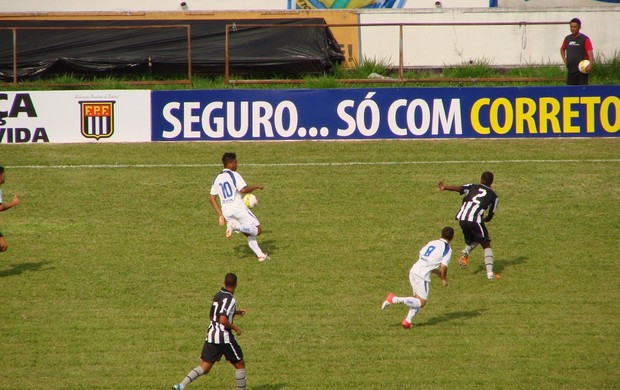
column 500, row 265
column 275, row 386
column 18, row 269
column 456, row 315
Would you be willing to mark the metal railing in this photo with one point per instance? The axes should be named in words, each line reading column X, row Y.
column 187, row 28
column 401, row 69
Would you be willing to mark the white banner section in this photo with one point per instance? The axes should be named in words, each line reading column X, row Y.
column 75, row 116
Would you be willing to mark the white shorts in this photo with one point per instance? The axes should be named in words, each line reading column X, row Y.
column 243, row 217
column 419, row 286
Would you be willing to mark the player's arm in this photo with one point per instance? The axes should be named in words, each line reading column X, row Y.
column 491, row 211
column 217, row 208
column 563, row 51
column 444, row 187
column 590, row 55
column 442, row 272
column 222, row 319
column 13, row 203
column 248, row 189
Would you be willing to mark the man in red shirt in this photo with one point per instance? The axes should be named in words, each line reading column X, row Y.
column 576, row 48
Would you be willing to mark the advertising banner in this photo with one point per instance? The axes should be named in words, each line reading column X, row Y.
column 75, row 116
column 386, row 113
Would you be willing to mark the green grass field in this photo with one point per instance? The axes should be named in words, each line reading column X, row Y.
column 115, row 253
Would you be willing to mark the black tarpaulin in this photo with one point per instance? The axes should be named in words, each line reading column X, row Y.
column 63, row 49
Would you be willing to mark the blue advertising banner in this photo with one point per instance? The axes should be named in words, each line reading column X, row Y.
column 386, row 113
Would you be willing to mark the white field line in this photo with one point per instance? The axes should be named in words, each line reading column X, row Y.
column 314, row 164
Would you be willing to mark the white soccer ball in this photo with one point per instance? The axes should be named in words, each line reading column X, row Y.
column 583, row 65
column 250, row 200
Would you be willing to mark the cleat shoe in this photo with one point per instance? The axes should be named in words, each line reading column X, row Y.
column 406, row 324
column 463, row 260
column 493, row 276
column 263, row 258
column 177, row 387
column 388, row 301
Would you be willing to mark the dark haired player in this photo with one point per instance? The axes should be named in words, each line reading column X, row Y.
column 478, row 199
column 220, row 339
column 576, row 47
column 434, row 258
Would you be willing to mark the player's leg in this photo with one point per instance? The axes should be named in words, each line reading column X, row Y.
column 572, row 78
column 3, row 244
column 415, row 302
column 470, row 243
column 250, row 227
column 248, row 223
column 210, row 354
column 234, row 355
column 489, row 258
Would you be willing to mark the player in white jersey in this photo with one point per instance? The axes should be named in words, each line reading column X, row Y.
column 230, row 187
column 3, row 207
column 434, row 258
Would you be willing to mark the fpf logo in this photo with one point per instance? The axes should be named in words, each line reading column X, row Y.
column 97, row 119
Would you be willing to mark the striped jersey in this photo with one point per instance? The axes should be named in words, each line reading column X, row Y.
column 223, row 304
column 432, row 255
column 478, row 198
column 226, row 185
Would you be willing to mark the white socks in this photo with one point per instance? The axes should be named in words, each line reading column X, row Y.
column 251, row 230
column 253, row 244
column 469, row 248
column 192, row 376
column 240, row 378
column 412, row 302
column 488, row 261
column 411, row 314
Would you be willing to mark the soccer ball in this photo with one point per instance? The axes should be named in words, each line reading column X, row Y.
column 250, row 200
column 583, row 65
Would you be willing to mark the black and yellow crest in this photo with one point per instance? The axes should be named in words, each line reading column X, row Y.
column 97, row 119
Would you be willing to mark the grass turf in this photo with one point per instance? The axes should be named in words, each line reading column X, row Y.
column 115, row 255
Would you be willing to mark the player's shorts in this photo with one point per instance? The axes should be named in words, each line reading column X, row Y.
column 577, row 78
column 244, row 217
column 419, row 286
column 474, row 232
column 213, row 352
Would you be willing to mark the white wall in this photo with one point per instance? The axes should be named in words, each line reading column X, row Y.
column 498, row 45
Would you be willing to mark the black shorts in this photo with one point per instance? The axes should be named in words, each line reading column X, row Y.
column 577, row 78
column 474, row 232
column 213, row 352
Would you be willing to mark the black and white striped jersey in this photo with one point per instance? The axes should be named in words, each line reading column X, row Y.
column 223, row 304
column 478, row 198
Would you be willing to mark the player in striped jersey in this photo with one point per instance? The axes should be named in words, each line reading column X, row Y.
column 434, row 258
column 478, row 199
column 220, row 340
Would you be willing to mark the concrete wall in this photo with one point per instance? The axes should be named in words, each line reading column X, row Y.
column 510, row 45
